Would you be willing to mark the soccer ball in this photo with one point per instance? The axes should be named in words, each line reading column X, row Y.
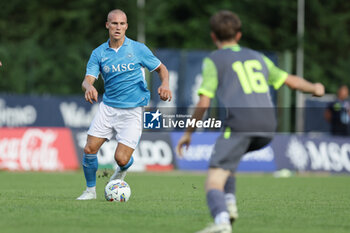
column 117, row 190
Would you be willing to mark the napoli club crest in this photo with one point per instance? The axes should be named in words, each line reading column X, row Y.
column 106, row 69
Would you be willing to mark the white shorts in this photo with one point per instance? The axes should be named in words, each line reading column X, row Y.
column 126, row 123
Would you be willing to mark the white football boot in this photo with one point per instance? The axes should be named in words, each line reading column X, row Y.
column 217, row 228
column 87, row 195
column 118, row 174
column 232, row 210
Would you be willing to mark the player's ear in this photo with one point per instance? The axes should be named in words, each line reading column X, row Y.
column 238, row 36
column 213, row 37
column 107, row 25
column 127, row 25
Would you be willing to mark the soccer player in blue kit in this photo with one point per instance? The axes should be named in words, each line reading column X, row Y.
column 121, row 63
column 240, row 78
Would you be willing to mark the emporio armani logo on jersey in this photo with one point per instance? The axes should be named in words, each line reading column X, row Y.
column 157, row 120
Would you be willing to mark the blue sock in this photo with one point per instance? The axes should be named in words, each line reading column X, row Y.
column 216, row 202
column 131, row 161
column 230, row 186
column 90, row 166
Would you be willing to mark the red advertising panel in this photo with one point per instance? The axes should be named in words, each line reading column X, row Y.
column 37, row 149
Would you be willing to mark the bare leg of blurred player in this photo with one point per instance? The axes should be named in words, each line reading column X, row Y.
column 215, row 183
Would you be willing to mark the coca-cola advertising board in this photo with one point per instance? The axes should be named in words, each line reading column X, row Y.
column 37, row 149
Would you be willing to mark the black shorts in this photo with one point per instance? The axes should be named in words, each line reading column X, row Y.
column 228, row 152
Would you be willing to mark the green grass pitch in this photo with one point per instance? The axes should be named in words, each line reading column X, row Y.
column 171, row 203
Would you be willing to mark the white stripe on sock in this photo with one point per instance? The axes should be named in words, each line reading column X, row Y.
column 222, row 217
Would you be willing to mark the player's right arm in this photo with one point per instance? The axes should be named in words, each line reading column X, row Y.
column 201, row 107
column 92, row 73
column 91, row 93
column 206, row 93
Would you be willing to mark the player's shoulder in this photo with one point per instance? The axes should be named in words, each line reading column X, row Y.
column 236, row 49
column 249, row 54
column 100, row 49
column 252, row 52
column 102, row 46
column 134, row 43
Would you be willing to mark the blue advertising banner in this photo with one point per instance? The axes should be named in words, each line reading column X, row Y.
column 198, row 153
column 197, row 156
column 320, row 153
column 191, row 79
column 45, row 111
column 262, row 160
column 314, row 120
column 304, row 153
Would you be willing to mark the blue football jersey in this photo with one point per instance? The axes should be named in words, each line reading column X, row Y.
column 123, row 72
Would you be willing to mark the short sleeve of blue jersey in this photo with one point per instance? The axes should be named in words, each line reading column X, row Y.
column 93, row 67
column 147, row 58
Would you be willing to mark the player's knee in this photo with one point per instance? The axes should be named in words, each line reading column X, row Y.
column 121, row 159
column 214, row 183
column 89, row 150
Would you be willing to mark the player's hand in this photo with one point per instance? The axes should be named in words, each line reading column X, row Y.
column 91, row 94
column 319, row 90
column 164, row 92
column 185, row 140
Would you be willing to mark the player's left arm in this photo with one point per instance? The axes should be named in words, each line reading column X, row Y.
column 278, row 77
column 164, row 90
column 295, row 82
column 154, row 64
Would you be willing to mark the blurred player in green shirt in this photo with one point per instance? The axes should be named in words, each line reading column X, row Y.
column 240, row 78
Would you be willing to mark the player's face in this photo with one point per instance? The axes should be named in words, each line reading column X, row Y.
column 343, row 93
column 117, row 26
